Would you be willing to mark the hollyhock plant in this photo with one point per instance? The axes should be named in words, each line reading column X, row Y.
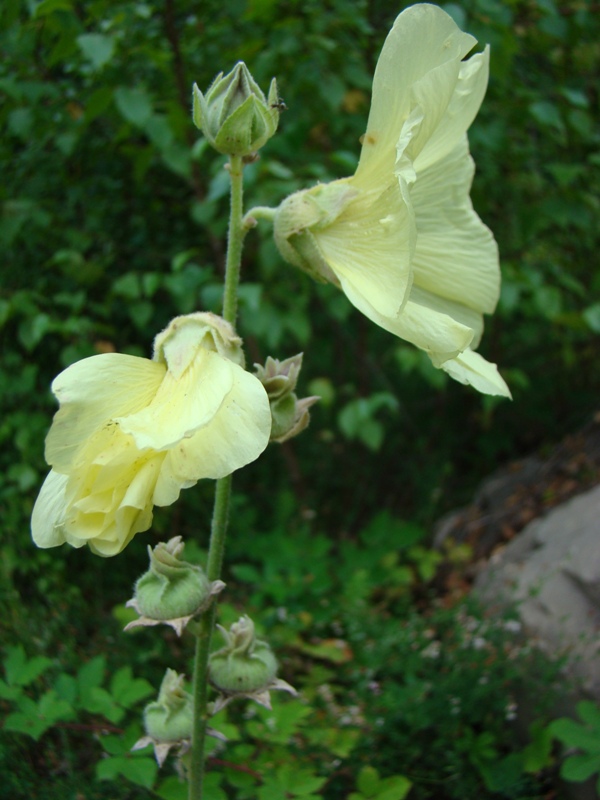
column 132, row 432
column 400, row 237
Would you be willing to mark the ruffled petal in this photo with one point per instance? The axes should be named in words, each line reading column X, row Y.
column 460, row 112
column 369, row 248
column 182, row 405
column 456, row 255
column 48, row 515
column 115, row 503
column 471, row 368
column 430, row 98
column 235, row 436
column 93, row 391
column 422, row 39
column 134, row 513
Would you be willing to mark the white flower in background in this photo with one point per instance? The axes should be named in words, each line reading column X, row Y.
column 131, row 433
column 400, row 237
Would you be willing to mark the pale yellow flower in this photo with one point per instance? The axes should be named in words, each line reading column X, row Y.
column 400, row 237
column 131, row 433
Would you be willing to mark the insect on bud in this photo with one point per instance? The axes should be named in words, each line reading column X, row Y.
column 235, row 116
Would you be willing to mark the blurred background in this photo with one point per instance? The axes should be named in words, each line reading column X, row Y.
column 113, row 220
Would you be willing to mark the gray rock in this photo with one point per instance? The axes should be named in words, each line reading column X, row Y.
column 551, row 570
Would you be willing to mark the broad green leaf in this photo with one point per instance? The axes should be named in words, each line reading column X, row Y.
column 547, row 114
column 580, row 767
column 588, row 711
column 334, row 650
column 23, row 723
column 90, row 676
column 33, row 329
column 9, row 692
column 573, row 734
column 538, row 753
column 97, row 48
column 108, row 768
column 19, row 670
column 140, row 770
column 174, row 788
column 127, row 690
column 592, row 316
column 99, row 701
column 368, row 780
column 135, row 105
column 52, row 708
column 393, row 788
column 49, row 6
column 66, row 688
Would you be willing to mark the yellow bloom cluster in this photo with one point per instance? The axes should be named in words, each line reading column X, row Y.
column 400, row 237
column 131, row 433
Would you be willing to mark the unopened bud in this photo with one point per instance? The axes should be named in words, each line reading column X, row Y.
column 172, row 591
column 289, row 414
column 169, row 717
column 171, row 587
column 235, row 116
column 246, row 664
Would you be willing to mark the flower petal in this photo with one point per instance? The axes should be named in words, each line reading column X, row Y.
column 49, row 512
column 234, row 437
column 369, row 248
column 433, row 331
column 108, row 520
column 456, row 255
column 458, row 311
column 473, row 369
column 422, row 39
column 93, row 391
column 182, row 405
column 460, row 112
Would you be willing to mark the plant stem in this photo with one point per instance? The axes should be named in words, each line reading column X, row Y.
column 259, row 212
column 203, row 639
column 216, row 550
column 235, row 240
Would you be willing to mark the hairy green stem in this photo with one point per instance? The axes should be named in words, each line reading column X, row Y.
column 203, row 639
column 259, row 212
column 237, row 231
column 235, row 240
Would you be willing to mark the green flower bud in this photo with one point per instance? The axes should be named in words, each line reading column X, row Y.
column 171, row 588
column 235, row 116
column 279, row 377
column 169, row 718
column 246, row 665
column 289, row 415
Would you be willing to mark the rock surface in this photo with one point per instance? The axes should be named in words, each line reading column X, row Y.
column 552, row 571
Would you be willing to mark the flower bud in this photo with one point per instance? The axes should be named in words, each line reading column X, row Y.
column 235, row 116
column 172, row 591
column 246, row 665
column 171, row 588
column 169, row 718
column 290, row 415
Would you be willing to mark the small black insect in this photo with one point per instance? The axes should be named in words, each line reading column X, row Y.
column 279, row 105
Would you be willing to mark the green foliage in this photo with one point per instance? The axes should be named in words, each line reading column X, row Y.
column 112, row 218
column 138, row 767
column 583, row 736
column 55, row 710
column 372, row 787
